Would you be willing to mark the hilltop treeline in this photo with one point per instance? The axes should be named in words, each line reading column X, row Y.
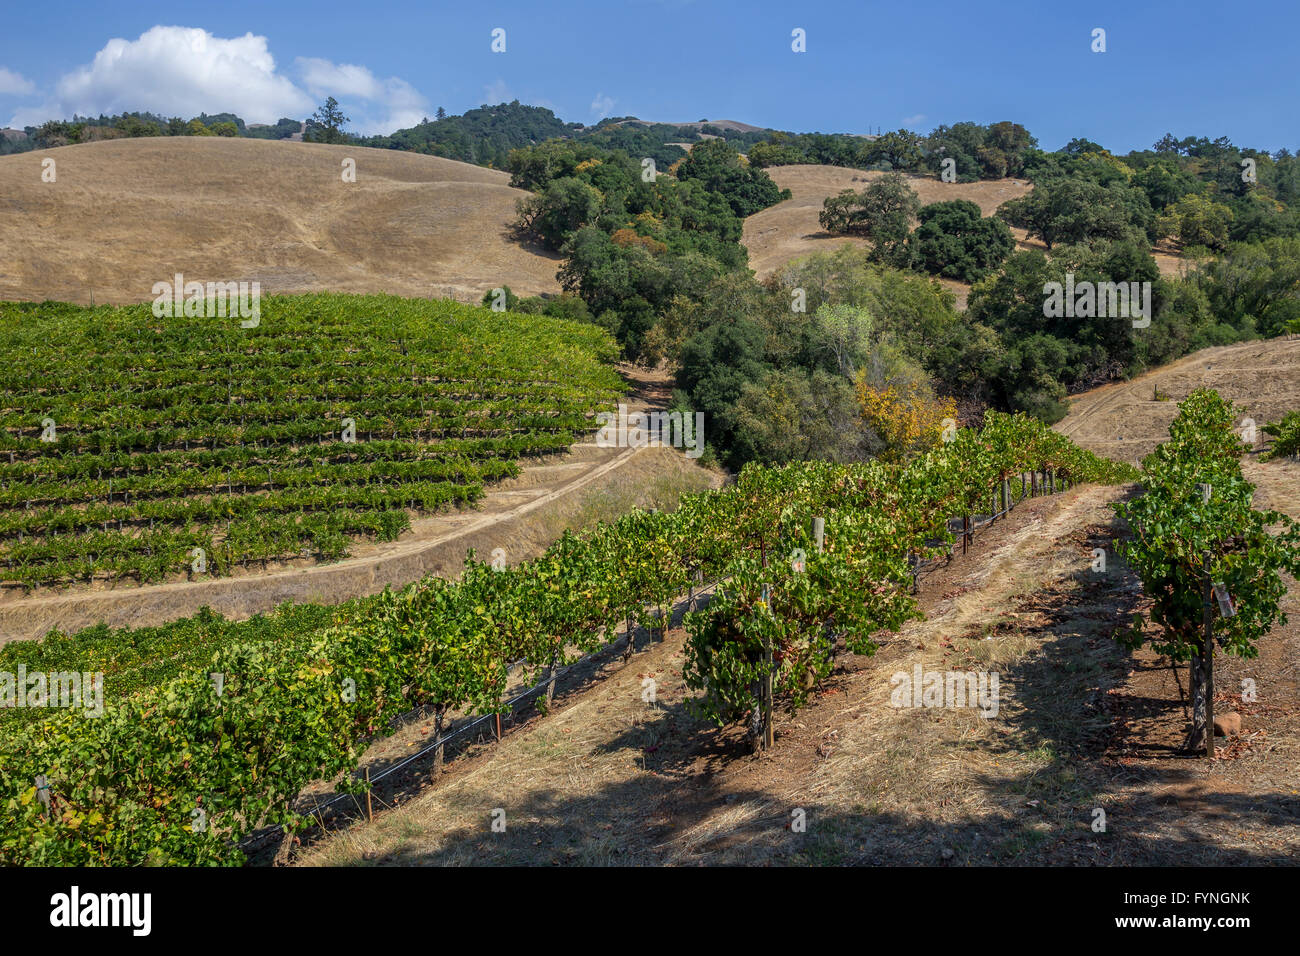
column 824, row 357
column 89, row 129
column 977, row 152
column 487, row 135
column 484, row 136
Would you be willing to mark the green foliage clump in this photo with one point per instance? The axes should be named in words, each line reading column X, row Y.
column 953, row 240
column 1194, row 525
column 1286, row 436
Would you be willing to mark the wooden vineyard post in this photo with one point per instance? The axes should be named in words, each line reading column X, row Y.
column 437, row 739
column 43, row 792
column 819, row 533
column 1207, row 657
column 631, row 639
column 370, row 816
column 1006, row 496
column 766, row 700
column 769, row 733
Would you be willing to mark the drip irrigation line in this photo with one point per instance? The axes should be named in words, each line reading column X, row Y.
column 927, row 567
column 475, row 722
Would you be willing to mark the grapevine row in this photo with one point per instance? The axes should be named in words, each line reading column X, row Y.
column 127, row 786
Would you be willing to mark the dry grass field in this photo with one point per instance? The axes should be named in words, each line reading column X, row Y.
column 790, row 229
column 1123, row 421
column 124, row 214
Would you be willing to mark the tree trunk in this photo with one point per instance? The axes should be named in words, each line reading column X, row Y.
column 1198, row 678
column 550, row 677
column 756, row 719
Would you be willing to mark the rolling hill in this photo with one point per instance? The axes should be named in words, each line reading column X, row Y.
column 790, row 230
column 124, row 214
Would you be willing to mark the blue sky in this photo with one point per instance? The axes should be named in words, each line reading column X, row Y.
column 1190, row 68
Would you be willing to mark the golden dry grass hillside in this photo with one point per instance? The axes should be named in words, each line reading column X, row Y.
column 790, row 230
column 1126, row 420
column 124, row 214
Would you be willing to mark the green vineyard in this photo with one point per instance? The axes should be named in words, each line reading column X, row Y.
column 139, row 448
column 179, row 772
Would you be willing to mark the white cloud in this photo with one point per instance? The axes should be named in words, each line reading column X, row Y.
column 389, row 104
column 177, row 71
column 910, row 121
column 184, row 71
column 602, row 106
column 13, row 84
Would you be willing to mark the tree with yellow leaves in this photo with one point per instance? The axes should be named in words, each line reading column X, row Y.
column 907, row 415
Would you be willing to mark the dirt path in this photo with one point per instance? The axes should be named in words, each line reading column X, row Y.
column 521, row 516
column 610, row 778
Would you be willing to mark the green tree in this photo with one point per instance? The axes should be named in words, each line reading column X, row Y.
column 955, row 241
column 1254, row 286
column 961, row 143
column 1196, row 221
column 561, row 209
column 326, row 124
column 1165, row 182
column 1004, row 150
column 882, row 212
column 719, row 168
column 901, row 149
column 717, row 365
column 793, row 415
column 1068, row 210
